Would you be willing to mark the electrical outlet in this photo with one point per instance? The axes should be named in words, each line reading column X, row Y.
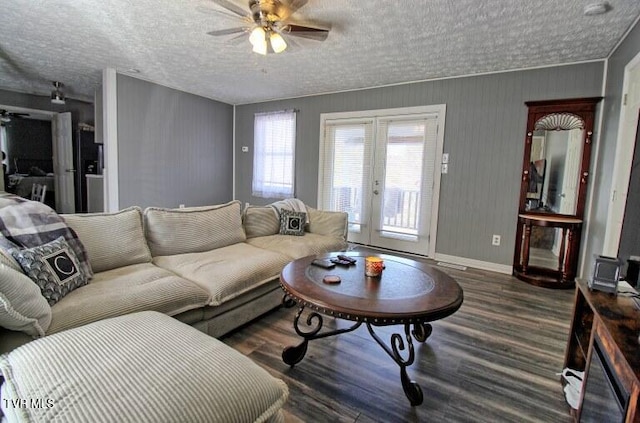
column 181, row 206
column 495, row 240
column 445, row 168
column 445, row 158
column 245, row 149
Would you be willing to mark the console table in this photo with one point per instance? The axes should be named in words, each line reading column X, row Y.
column 562, row 276
column 611, row 325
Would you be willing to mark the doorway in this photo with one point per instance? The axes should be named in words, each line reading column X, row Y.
column 382, row 167
column 629, row 111
column 55, row 170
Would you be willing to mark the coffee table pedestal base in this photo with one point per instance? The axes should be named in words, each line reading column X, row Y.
column 421, row 331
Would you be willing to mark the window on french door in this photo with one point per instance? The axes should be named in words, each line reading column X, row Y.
column 405, row 145
column 348, row 169
column 382, row 168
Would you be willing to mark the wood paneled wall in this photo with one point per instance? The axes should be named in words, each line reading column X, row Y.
column 173, row 147
column 484, row 136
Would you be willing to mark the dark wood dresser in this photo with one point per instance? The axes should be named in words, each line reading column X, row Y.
column 606, row 326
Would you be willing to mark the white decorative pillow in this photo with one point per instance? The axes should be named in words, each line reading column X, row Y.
column 54, row 267
column 22, row 306
column 292, row 223
column 328, row 223
column 260, row 221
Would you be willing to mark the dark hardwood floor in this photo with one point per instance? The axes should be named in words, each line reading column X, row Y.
column 495, row 360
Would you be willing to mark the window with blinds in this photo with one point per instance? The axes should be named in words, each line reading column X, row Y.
column 274, row 154
column 347, row 170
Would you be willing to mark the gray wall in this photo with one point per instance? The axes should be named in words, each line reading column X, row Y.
column 484, row 135
column 607, row 150
column 173, row 147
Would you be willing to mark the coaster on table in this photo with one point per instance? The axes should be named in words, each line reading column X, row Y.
column 331, row 279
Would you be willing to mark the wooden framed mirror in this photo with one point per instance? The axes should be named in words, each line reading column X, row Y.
column 555, row 174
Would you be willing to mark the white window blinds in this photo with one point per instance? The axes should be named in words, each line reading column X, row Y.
column 346, row 171
column 274, row 154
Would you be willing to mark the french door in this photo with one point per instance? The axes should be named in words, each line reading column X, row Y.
column 383, row 169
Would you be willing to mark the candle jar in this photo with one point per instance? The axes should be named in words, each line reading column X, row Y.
column 373, row 266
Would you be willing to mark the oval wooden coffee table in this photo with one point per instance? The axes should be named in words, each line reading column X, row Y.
column 409, row 293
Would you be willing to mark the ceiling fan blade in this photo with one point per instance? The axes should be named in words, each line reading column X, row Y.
column 232, row 7
column 303, row 31
column 227, row 31
column 212, row 9
column 289, row 7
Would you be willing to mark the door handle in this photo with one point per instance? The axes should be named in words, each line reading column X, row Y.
column 376, row 192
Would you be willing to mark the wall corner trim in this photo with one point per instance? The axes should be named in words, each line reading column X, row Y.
column 110, row 128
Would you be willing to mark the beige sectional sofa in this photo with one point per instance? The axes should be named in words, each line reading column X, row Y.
column 213, row 267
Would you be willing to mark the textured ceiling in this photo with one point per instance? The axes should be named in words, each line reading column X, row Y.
column 372, row 43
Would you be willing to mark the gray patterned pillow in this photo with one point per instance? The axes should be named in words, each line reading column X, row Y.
column 292, row 223
column 54, row 267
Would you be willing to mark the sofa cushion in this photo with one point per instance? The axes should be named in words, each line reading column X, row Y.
column 226, row 272
column 193, row 229
column 292, row 222
column 54, row 267
column 260, row 221
column 112, row 240
column 329, row 223
column 297, row 247
column 22, row 306
column 143, row 367
column 126, row 290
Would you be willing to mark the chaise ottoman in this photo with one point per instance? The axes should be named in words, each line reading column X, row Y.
column 141, row 367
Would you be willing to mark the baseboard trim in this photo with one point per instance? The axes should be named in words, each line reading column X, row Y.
column 477, row 264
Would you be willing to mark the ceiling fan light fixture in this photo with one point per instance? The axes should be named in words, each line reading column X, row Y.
column 277, row 42
column 57, row 96
column 260, row 47
column 257, row 36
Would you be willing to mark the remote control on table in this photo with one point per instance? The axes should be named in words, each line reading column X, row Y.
column 323, row 263
column 347, row 258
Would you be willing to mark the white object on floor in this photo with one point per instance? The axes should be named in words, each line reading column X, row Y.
column 572, row 396
column 573, row 388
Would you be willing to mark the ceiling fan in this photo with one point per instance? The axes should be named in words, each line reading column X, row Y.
column 270, row 25
column 6, row 116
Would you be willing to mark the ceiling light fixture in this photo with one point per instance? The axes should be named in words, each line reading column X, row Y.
column 57, row 96
column 258, row 40
column 277, row 42
column 595, row 9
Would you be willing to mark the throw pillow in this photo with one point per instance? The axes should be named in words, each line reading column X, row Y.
column 28, row 224
column 292, row 223
column 260, row 221
column 54, row 267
